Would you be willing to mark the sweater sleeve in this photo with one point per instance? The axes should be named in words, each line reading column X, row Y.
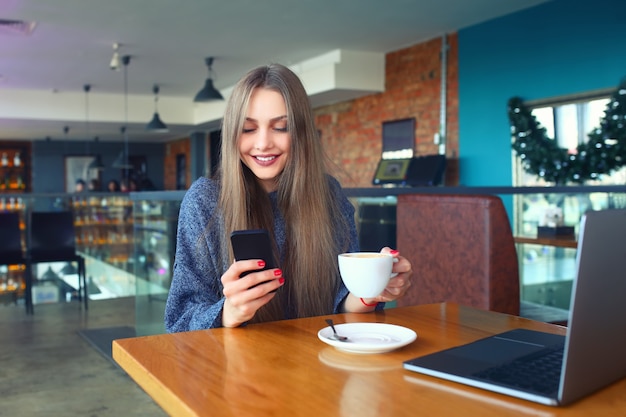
column 195, row 298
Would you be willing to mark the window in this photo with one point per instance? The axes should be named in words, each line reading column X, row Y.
column 569, row 120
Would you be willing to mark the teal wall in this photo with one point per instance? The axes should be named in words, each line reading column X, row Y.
column 560, row 47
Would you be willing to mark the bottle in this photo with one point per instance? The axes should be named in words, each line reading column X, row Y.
column 17, row 161
column 5, row 160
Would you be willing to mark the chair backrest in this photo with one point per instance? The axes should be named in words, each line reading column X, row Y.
column 10, row 239
column 462, row 250
column 52, row 236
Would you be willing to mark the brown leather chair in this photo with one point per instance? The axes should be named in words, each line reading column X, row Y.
column 462, row 250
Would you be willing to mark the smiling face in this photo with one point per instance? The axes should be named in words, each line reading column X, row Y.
column 265, row 140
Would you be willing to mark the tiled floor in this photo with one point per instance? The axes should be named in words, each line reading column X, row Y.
column 48, row 369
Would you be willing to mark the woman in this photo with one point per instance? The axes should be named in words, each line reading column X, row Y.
column 113, row 186
column 272, row 176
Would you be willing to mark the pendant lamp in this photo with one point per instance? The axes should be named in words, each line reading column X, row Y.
column 156, row 125
column 69, row 269
column 50, row 275
column 208, row 92
column 122, row 161
column 96, row 164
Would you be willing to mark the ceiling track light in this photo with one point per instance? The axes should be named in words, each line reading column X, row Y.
column 208, row 92
column 156, row 124
column 115, row 60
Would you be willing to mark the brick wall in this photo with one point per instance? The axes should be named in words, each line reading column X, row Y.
column 181, row 146
column 352, row 131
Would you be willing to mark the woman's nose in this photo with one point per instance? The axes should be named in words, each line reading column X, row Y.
column 263, row 140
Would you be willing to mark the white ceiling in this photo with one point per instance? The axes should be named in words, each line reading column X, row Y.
column 42, row 74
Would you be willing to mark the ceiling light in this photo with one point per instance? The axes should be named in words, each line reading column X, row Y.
column 115, row 60
column 69, row 269
column 208, row 92
column 96, row 163
column 86, row 89
column 122, row 160
column 49, row 275
column 156, row 125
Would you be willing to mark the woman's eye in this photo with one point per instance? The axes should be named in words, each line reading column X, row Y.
column 281, row 129
column 248, row 130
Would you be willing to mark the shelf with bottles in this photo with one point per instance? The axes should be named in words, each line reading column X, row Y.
column 14, row 171
column 12, row 203
column 104, row 227
column 12, row 283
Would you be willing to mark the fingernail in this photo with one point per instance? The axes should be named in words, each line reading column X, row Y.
column 281, row 280
column 394, row 252
column 261, row 264
column 278, row 272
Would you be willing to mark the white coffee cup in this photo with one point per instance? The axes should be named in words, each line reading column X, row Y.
column 366, row 274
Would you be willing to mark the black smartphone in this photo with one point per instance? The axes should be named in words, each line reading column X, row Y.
column 253, row 244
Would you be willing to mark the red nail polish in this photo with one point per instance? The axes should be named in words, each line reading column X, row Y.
column 278, row 272
column 261, row 264
column 394, row 252
column 281, row 280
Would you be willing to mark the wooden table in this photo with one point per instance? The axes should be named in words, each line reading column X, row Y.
column 283, row 369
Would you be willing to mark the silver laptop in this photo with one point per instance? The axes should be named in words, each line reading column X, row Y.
column 590, row 356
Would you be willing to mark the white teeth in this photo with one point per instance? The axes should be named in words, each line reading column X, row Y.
column 265, row 158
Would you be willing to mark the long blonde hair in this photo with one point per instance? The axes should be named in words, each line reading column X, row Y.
column 315, row 229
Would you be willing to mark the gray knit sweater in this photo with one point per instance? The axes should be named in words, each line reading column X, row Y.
column 195, row 299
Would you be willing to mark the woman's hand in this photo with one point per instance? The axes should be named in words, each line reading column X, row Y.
column 245, row 295
column 395, row 289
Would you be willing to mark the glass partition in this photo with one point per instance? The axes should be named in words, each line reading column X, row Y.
column 547, row 266
column 129, row 241
column 155, row 223
column 103, row 226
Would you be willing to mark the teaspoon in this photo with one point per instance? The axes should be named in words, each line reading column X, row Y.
column 335, row 336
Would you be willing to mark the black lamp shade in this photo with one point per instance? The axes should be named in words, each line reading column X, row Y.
column 208, row 92
column 122, row 162
column 69, row 269
column 97, row 164
column 156, row 125
column 49, row 275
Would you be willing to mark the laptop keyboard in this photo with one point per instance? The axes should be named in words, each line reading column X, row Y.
column 538, row 372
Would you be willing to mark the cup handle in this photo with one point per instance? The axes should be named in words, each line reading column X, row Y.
column 394, row 274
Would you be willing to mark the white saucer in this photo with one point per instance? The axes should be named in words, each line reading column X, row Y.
column 368, row 337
